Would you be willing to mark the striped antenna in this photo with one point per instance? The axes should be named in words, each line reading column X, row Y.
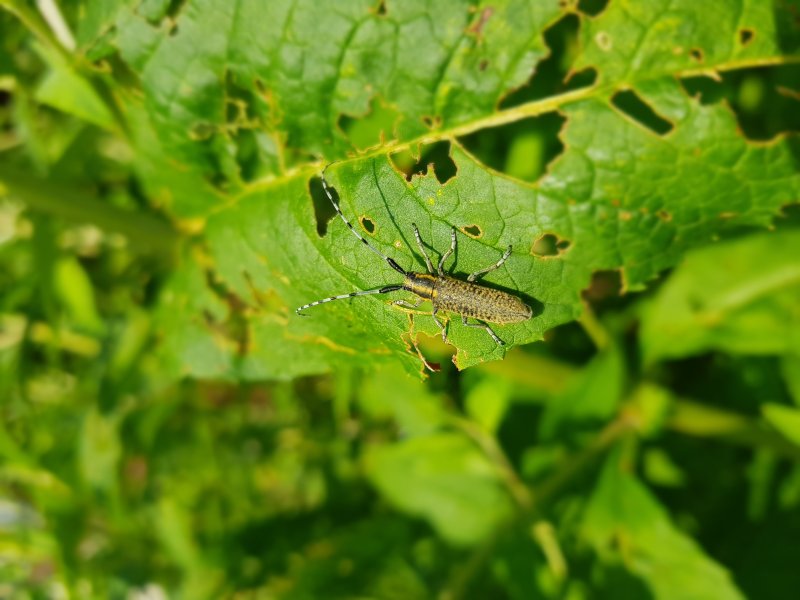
column 391, row 262
column 383, row 290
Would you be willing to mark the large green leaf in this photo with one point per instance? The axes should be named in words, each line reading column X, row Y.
column 624, row 209
column 244, row 102
column 304, row 65
column 625, row 523
column 621, row 195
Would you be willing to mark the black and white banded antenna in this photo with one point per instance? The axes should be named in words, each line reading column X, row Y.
column 389, row 260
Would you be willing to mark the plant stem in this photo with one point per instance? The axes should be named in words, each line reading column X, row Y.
column 460, row 583
column 700, row 420
column 593, row 328
column 516, row 487
column 147, row 233
column 532, row 371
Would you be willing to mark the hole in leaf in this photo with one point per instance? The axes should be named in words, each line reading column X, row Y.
column 789, row 216
column 381, row 9
column 664, row 215
column 764, row 99
column 592, row 7
column 746, row 36
column 637, row 109
column 374, row 128
column 483, row 64
column 429, row 346
column 175, row 7
column 696, row 54
column 251, row 147
column 323, row 209
column 548, row 245
column 472, row 231
column 367, row 224
column 552, row 76
column 234, row 326
column 154, row 12
column 413, row 339
column 604, row 41
column 202, row 130
column 603, row 286
column 436, row 156
column 242, row 104
column 523, row 149
column 432, row 122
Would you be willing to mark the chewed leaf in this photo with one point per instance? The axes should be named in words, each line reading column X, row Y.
column 639, row 41
column 645, row 174
column 607, row 210
column 299, row 69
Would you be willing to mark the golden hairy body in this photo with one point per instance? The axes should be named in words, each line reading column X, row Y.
column 468, row 299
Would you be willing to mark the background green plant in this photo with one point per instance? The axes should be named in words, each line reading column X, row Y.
column 170, row 427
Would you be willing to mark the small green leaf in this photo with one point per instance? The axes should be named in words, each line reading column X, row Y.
column 785, row 419
column 444, row 479
column 660, row 469
column 624, row 522
column 66, row 90
column 591, row 398
column 390, row 392
column 488, row 401
column 74, row 289
column 100, row 450
column 790, row 368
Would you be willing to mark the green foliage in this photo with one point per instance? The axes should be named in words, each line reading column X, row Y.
column 170, row 427
column 740, row 296
column 621, row 510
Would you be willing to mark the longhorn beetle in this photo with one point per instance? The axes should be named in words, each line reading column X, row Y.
column 446, row 293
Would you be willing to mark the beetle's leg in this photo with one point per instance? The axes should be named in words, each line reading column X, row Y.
column 409, row 307
column 496, row 265
column 433, row 368
column 422, row 249
column 447, row 254
column 483, row 326
column 439, row 323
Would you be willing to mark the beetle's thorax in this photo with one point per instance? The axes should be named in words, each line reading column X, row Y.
column 421, row 284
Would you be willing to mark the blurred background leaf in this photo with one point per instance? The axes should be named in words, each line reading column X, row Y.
column 168, row 426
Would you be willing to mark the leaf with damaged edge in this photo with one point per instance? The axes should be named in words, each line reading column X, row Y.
column 622, row 195
column 301, row 66
column 604, row 230
column 632, row 42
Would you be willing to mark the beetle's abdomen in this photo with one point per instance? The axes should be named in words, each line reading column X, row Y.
column 478, row 302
